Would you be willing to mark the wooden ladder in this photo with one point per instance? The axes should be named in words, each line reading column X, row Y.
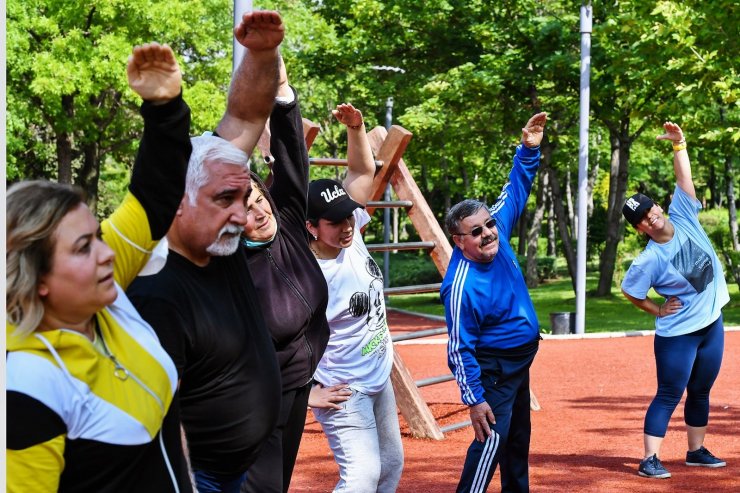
column 388, row 147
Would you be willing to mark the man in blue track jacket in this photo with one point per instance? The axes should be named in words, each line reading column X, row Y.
column 492, row 326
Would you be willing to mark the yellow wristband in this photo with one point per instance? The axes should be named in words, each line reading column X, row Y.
column 679, row 147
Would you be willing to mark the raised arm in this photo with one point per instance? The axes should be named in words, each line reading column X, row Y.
column 360, row 161
column 158, row 178
column 289, row 173
column 515, row 193
column 681, row 163
column 284, row 96
column 255, row 81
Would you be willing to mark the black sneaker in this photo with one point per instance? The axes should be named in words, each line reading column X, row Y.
column 652, row 468
column 703, row 458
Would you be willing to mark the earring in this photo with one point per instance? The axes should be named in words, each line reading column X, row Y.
column 315, row 237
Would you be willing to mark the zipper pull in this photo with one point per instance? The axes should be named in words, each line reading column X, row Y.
column 120, row 372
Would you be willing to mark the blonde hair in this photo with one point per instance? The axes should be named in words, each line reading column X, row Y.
column 34, row 210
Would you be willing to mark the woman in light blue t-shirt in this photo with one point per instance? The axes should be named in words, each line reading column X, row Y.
column 680, row 264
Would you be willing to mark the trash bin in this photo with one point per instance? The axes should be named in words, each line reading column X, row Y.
column 563, row 322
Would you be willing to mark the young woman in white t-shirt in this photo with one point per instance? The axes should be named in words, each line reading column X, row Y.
column 353, row 397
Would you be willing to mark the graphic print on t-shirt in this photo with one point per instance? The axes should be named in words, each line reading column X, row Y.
column 695, row 265
column 372, row 305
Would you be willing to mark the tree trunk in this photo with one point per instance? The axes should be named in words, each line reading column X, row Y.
column 531, row 276
column 522, row 228
column 551, row 241
column 64, row 143
column 423, row 178
column 712, row 183
column 561, row 216
column 620, row 150
column 446, row 181
column 731, row 208
column 464, row 173
column 591, row 183
column 572, row 221
column 89, row 174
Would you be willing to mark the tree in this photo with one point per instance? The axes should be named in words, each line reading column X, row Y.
column 69, row 108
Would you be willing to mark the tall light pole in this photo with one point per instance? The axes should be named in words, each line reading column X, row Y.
column 241, row 7
column 387, row 198
column 586, row 16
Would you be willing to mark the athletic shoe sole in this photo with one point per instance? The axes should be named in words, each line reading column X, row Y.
column 698, row 464
column 654, row 476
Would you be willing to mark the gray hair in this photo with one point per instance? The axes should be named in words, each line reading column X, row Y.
column 213, row 149
column 33, row 210
column 460, row 211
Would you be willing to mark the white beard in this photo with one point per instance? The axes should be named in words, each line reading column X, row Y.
column 223, row 247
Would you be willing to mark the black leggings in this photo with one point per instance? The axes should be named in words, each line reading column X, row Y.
column 272, row 471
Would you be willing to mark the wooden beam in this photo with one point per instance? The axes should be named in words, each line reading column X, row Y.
column 393, row 144
column 388, row 147
column 411, row 404
column 310, row 131
column 422, row 216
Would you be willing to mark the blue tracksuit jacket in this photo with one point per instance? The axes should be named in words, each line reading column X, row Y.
column 487, row 305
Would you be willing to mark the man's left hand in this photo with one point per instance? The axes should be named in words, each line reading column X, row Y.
column 534, row 130
column 481, row 417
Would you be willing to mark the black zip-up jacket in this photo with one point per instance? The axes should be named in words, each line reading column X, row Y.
column 290, row 285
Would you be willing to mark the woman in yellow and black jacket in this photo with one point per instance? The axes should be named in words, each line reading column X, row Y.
column 88, row 384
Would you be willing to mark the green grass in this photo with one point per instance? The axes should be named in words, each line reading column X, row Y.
column 609, row 314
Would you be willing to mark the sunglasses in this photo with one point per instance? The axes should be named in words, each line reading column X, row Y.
column 476, row 231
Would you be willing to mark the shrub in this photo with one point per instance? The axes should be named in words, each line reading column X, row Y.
column 545, row 266
column 409, row 268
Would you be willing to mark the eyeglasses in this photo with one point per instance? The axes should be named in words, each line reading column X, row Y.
column 476, row 231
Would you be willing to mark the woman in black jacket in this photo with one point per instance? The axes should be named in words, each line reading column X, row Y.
column 291, row 288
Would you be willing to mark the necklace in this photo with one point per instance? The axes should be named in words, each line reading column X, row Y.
column 315, row 253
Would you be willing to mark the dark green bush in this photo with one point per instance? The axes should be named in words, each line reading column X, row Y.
column 409, row 268
column 545, row 266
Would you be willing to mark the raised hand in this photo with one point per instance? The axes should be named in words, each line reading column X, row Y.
column 672, row 132
column 260, row 30
column 348, row 115
column 534, row 130
column 153, row 72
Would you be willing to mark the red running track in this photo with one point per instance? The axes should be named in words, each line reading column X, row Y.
column 586, row 438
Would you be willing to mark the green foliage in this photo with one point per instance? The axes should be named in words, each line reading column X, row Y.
column 604, row 314
column 66, row 75
column 408, row 268
column 464, row 77
column 114, row 180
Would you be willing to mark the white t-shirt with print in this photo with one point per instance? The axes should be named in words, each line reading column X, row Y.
column 360, row 351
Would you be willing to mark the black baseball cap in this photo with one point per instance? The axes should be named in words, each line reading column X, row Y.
column 636, row 207
column 327, row 199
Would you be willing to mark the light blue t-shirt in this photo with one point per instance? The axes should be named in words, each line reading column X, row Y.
column 685, row 267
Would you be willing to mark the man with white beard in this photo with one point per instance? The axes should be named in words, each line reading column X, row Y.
column 203, row 304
